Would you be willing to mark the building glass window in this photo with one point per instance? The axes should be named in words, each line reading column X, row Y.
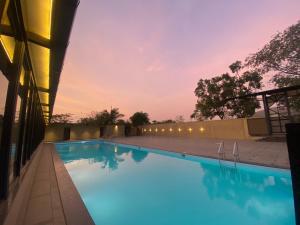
column 14, row 137
column 27, row 119
column 3, row 92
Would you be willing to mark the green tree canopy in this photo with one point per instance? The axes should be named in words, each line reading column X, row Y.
column 103, row 118
column 163, row 121
column 236, row 66
column 281, row 54
column 139, row 118
column 114, row 116
column 61, row 118
column 213, row 93
column 282, row 57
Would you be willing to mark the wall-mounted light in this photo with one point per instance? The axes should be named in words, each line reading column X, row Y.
column 150, row 130
column 179, row 129
column 190, row 129
column 201, row 129
column 163, row 130
column 170, row 129
column 145, row 130
column 116, row 127
column 156, row 129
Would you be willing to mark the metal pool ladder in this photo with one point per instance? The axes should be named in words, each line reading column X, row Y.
column 235, row 152
column 221, row 151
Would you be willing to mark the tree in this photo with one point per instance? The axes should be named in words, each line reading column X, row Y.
column 236, row 67
column 213, row 95
column 121, row 122
column 114, row 116
column 282, row 57
column 102, row 118
column 61, row 118
column 139, row 118
column 281, row 54
column 163, row 121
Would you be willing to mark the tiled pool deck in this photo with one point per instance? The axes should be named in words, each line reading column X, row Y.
column 273, row 154
column 52, row 198
column 45, row 206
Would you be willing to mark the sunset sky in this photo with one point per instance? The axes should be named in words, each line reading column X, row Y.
column 147, row 55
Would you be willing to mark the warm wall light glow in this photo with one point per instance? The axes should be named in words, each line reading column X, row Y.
column 145, row 130
column 45, row 108
column 150, row 130
column 163, row 130
column 37, row 16
column 201, row 129
column 170, row 129
column 116, row 127
column 190, row 130
column 179, row 129
column 22, row 76
column 44, row 97
column 156, row 129
column 40, row 58
column 50, row 17
column 8, row 44
column 5, row 19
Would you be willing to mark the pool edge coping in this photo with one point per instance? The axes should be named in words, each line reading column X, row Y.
column 74, row 208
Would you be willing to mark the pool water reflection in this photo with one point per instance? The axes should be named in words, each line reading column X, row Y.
column 121, row 185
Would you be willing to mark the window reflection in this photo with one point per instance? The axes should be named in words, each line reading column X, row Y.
column 15, row 134
column 3, row 92
column 26, row 128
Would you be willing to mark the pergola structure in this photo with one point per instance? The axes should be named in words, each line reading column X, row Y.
column 278, row 107
column 34, row 36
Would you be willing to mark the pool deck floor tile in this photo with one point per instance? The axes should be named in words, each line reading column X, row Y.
column 44, row 206
column 273, row 154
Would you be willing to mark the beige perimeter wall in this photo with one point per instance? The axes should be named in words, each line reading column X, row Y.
column 55, row 132
column 241, row 129
column 79, row 132
column 114, row 131
column 223, row 129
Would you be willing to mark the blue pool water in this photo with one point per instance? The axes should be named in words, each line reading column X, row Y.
column 123, row 185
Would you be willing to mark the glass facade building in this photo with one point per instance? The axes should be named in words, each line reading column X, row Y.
column 34, row 35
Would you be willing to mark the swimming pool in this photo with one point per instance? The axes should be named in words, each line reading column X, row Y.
column 126, row 185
